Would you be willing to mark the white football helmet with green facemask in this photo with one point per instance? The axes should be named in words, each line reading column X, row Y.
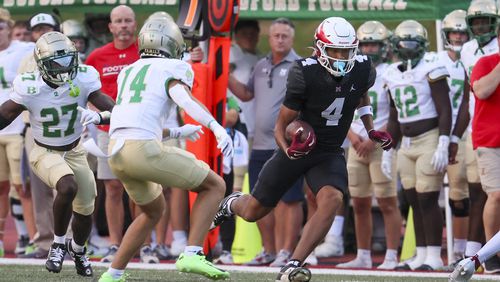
column 56, row 58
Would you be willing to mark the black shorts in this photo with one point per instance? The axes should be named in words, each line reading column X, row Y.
column 320, row 169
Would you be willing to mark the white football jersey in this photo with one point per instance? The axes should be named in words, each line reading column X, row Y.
column 10, row 59
column 469, row 56
column 410, row 89
column 380, row 104
column 455, row 82
column 143, row 101
column 53, row 113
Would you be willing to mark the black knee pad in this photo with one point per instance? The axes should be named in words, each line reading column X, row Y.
column 460, row 208
column 16, row 209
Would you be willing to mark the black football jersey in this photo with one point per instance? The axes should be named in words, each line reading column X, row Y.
column 326, row 102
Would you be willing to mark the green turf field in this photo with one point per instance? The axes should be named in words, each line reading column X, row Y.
column 38, row 273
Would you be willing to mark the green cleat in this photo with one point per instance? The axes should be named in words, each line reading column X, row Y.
column 199, row 265
column 106, row 277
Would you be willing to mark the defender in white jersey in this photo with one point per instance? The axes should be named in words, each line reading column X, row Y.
column 421, row 114
column 364, row 160
column 147, row 90
column 481, row 22
column 11, row 139
column 454, row 34
column 53, row 96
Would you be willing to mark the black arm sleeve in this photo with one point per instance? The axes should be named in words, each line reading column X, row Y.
column 295, row 88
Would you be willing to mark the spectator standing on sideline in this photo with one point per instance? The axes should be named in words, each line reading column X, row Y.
column 21, row 32
column 481, row 21
column 485, row 83
column 12, row 142
column 267, row 86
column 109, row 60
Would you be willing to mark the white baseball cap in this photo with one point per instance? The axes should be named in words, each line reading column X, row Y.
column 42, row 18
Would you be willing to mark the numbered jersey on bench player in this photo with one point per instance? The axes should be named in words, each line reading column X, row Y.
column 143, row 101
column 410, row 89
column 54, row 117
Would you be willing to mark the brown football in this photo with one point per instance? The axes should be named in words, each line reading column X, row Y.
column 295, row 126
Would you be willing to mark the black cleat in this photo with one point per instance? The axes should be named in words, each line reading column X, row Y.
column 82, row 263
column 292, row 272
column 404, row 266
column 223, row 213
column 55, row 258
column 492, row 265
column 425, row 267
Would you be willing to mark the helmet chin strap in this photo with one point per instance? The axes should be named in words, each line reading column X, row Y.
column 408, row 65
column 340, row 66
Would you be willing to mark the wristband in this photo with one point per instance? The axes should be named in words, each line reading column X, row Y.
column 365, row 110
column 455, row 139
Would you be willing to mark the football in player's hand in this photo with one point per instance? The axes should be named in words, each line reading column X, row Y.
column 299, row 127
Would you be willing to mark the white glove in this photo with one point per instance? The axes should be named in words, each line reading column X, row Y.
column 463, row 271
column 88, row 116
column 440, row 158
column 224, row 142
column 386, row 164
column 189, row 131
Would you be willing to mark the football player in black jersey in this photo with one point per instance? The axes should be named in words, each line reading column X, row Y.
column 323, row 90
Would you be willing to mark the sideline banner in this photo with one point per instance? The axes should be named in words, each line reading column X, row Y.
column 264, row 9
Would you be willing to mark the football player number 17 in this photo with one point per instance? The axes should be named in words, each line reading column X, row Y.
column 137, row 85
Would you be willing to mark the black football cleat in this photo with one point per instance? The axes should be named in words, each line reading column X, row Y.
column 82, row 263
column 55, row 258
column 223, row 213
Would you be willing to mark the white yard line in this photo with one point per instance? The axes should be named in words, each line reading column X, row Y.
column 264, row 269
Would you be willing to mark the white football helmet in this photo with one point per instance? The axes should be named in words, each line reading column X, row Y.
column 56, row 57
column 454, row 21
column 374, row 32
column 336, row 33
column 161, row 37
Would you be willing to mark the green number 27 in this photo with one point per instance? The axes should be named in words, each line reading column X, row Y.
column 137, row 85
column 54, row 113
